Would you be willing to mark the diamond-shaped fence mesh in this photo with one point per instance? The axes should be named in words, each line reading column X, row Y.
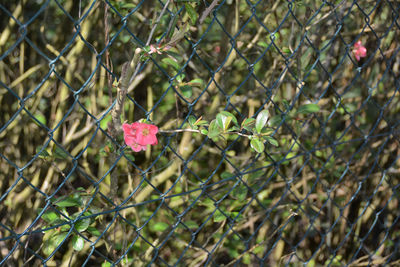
column 321, row 189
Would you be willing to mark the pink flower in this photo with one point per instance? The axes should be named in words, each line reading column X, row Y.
column 154, row 50
column 359, row 50
column 138, row 135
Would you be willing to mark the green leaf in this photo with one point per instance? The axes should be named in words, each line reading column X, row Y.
column 59, row 153
column 306, row 57
column 171, row 62
column 196, row 82
column 186, row 91
column 233, row 128
column 50, row 216
column 128, row 5
column 204, row 131
column 124, row 38
column 194, row 127
column 43, row 154
column 220, row 120
column 247, row 259
column 191, row 12
column 192, row 120
column 160, row 226
column 40, row 117
column 180, row 77
column 275, row 120
column 223, row 121
column 65, row 227
column 249, row 129
column 103, row 152
column 104, row 122
column 240, row 193
column 213, row 131
column 307, row 109
column 247, row 122
column 78, row 242
column 228, row 114
column 171, row 52
column 93, row 231
column 106, row 264
column 201, row 122
column 59, row 238
column 192, row 224
column 53, row 242
column 130, row 157
column 271, row 140
column 286, row 104
column 261, row 120
column 67, row 202
column 82, row 224
column 257, row 145
column 178, row 35
column 262, row 44
column 286, row 50
column 267, row 131
column 172, row 27
column 227, row 175
column 218, row 216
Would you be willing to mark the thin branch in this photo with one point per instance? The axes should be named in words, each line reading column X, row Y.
column 129, row 71
column 107, row 55
column 179, row 131
column 198, row 131
column 207, row 11
column 138, row 66
column 127, row 76
column 156, row 23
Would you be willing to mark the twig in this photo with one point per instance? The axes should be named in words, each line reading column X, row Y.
column 156, row 23
column 115, row 126
column 107, row 40
column 198, row 131
column 208, row 11
column 179, row 131
column 138, row 66
column 128, row 74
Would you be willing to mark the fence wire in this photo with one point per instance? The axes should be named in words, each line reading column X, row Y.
column 326, row 195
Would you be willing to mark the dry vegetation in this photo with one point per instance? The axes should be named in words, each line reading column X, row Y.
column 327, row 194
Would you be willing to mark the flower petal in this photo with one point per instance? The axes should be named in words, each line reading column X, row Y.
column 130, row 140
column 138, row 135
column 153, row 129
column 359, row 50
column 126, row 127
column 137, row 148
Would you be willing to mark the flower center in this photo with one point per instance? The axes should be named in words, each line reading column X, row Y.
column 145, row 132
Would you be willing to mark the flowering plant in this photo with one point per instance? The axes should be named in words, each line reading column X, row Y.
column 138, row 135
column 359, row 50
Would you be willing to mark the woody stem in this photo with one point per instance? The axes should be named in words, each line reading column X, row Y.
column 198, row 131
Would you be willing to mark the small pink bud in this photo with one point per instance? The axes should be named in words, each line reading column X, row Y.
column 359, row 50
column 154, row 50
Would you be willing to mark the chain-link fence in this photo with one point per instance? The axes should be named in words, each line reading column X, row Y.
column 318, row 186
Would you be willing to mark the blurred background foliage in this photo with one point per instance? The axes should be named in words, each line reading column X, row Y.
column 325, row 194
